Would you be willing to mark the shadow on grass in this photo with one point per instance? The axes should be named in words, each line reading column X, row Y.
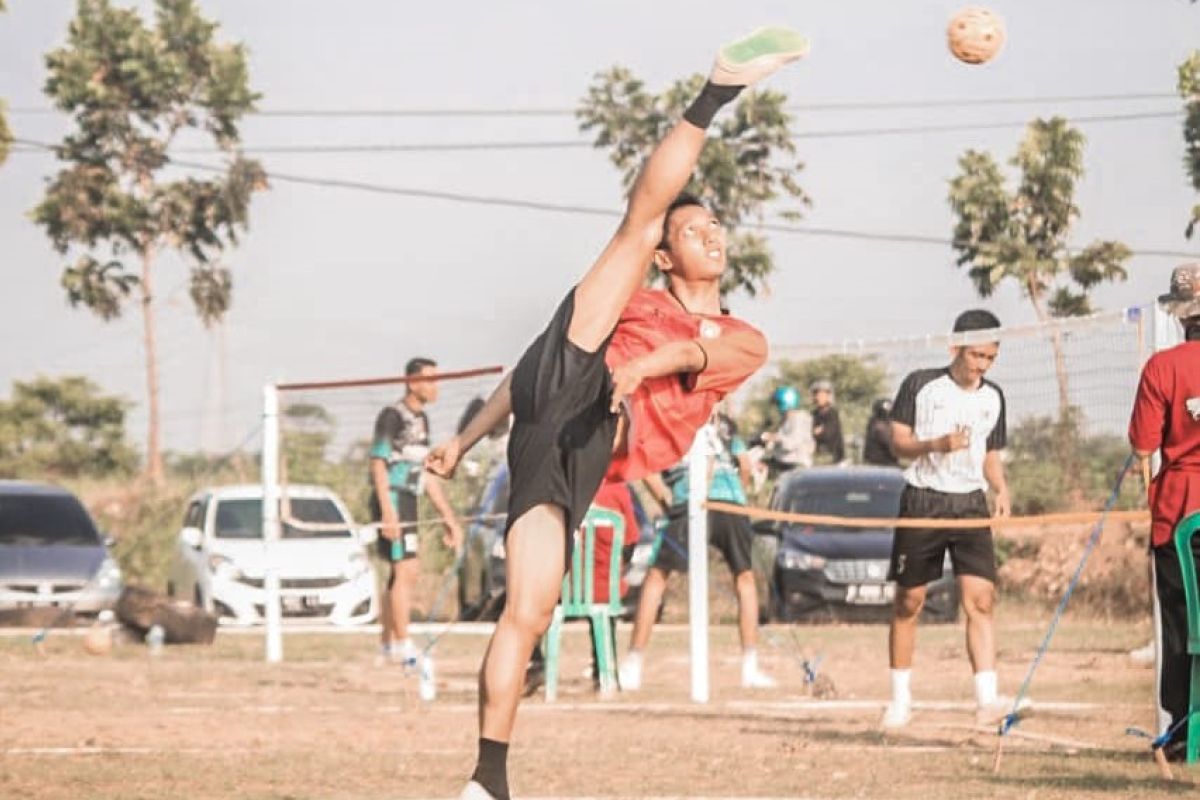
column 1119, row 785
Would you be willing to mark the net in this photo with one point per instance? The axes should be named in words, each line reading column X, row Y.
column 1068, row 384
column 328, row 432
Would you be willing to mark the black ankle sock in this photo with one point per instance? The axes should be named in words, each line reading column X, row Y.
column 491, row 771
column 702, row 110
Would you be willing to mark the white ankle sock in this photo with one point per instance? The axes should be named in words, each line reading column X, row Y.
column 750, row 660
column 901, row 689
column 985, row 687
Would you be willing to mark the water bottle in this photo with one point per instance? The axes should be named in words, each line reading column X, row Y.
column 154, row 639
column 428, row 682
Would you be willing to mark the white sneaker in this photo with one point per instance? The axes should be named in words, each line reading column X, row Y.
column 754, row 57
column 474, row 791
column 896, row 715
column 1143, row 656
column 757, row 679
column 629, row 675
column 991, row 714
column 396, row 653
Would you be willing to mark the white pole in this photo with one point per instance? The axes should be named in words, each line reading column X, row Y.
column 698, row 563
column 1167, row 330
column 270, row 522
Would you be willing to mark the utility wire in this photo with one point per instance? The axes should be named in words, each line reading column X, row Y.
column 594, row 211
column 580, row 144
column 562, row 111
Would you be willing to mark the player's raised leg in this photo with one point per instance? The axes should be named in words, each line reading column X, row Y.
column 621, row 268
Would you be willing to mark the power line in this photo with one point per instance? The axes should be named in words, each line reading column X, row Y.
column 563, row 144
column 561, row 111
column 594, row 211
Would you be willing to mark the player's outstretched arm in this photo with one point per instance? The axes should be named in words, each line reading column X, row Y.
column 622, row 267
column 444, row 458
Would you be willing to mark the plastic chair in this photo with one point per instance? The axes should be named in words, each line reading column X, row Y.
column 1184, row 532
column 579, row 600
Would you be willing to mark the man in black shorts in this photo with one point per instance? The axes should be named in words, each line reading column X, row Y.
column 617, row 384
column 731, row 534
column 398, row 449
column 951, row 422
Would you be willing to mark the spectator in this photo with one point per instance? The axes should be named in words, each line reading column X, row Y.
column 1166, row 417
column 791, row 445
column 729, row 533
column 826, row 425
column 877, row 442
column 398, row 447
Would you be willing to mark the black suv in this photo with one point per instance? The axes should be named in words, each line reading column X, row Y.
column 826, row 573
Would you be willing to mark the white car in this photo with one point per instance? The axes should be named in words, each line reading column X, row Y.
column 219, row 559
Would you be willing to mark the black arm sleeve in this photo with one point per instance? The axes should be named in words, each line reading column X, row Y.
column 904, row 407
column 388, row 426
column 998, row 437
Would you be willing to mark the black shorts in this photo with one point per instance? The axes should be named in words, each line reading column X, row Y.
column 731, row 534
column 919, row 553
column 562, row 435
column 405, row 547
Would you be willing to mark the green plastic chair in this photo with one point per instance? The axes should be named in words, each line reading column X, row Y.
column 579, row 600
column 1184, row 532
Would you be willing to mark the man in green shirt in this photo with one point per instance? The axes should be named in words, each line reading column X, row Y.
column 398, row 448
column 729, row 533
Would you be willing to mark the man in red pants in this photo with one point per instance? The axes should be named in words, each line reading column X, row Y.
column 1166, row 416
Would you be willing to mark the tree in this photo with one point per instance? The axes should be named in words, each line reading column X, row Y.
column 1189, row 89
column 858, row 383
column 64, row 428
column 1041, row 483
column 308, row 430
column 132, row 91
column 748, row 161
column 1022, row 236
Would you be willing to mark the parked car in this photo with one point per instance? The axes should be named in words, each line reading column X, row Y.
column 51, row 553
column 840, row 573
column 219, row 563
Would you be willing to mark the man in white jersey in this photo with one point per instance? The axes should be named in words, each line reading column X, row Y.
column 950, row 422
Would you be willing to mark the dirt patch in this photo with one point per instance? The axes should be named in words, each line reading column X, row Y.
column 218, row 722
column 1037, row 565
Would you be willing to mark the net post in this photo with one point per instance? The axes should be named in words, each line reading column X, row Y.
column 270, row 522
column 698, row 564
column 1167, row 332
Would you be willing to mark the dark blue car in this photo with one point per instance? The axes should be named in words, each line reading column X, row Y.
column 826, row 573
column 51, row 554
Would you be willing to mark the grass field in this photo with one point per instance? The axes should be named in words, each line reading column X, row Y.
column 217, row 722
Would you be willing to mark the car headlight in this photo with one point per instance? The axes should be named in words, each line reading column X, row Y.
column 108, row 575
column 356, row 566
column 223, row 567
column 792, row 559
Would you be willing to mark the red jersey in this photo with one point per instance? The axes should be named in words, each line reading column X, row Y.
column 1166, row 414
column 613, row 496
column 668, row 411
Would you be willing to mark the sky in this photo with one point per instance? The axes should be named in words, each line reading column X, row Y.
column 334, row 283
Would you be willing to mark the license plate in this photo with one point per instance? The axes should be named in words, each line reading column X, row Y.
column 870, row 594
column 299, row 602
